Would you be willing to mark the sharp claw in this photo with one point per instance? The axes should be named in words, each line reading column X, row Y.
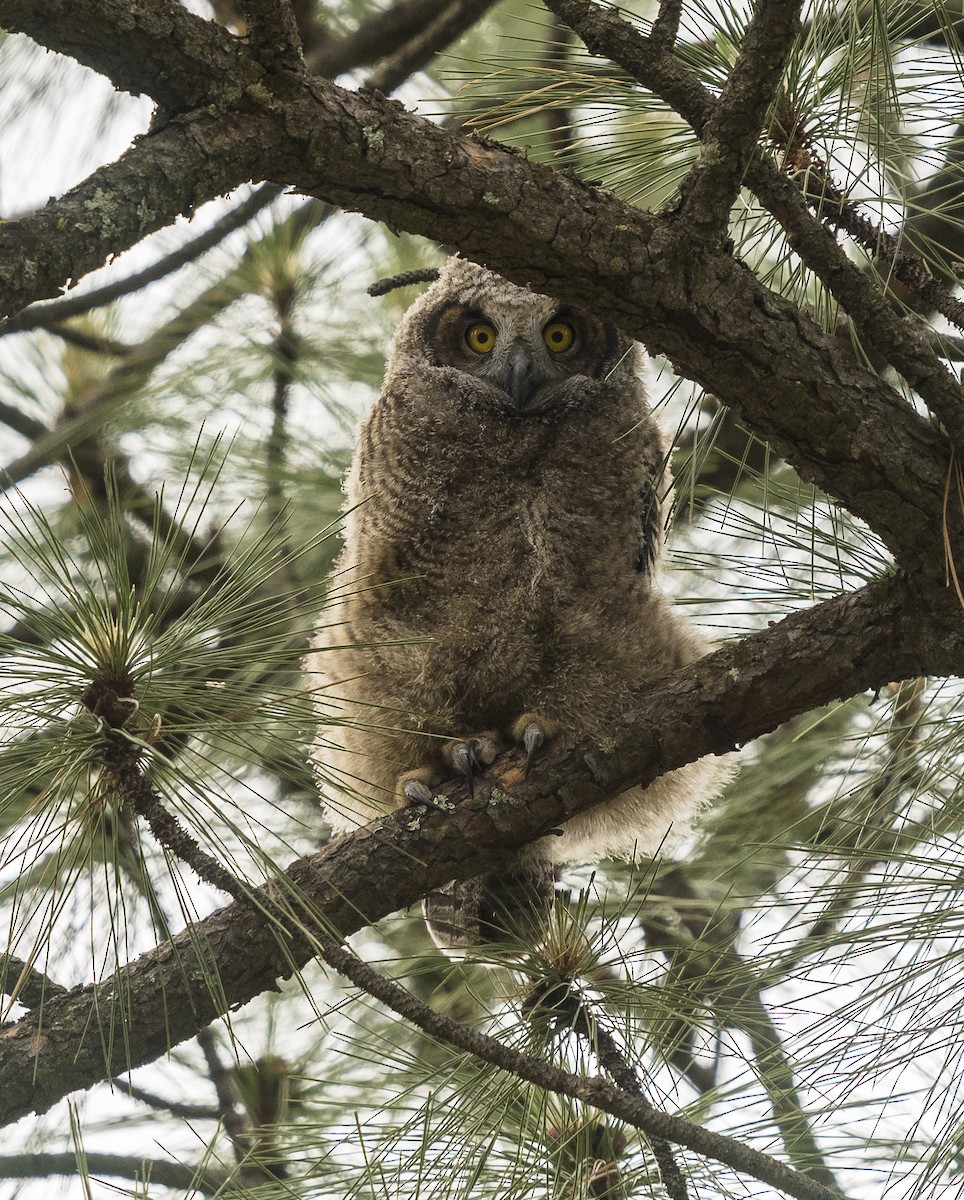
column 466, row 763
column 421, row 793
column 532, row 739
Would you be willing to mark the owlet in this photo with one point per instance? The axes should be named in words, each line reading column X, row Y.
column 499, row 581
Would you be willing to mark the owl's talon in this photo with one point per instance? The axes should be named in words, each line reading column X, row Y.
column 464, row 762
column 532, row 738
column 417, row 792
column 471, row 756
column 533, row 731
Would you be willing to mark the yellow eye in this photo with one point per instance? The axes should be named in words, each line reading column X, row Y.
column 480, row 337
column 558, row 336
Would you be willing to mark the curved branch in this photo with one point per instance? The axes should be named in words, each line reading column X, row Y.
column 155, row 47
column 163, row 175
column 842, row 427
column 42, row 316
column 836, row 649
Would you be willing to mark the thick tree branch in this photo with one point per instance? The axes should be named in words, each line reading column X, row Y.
column 155, row 47
column 898, row 340
column 840, row 426
column 841, row 647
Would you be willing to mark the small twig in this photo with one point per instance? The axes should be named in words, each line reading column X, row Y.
column 731, row 136
column 559, row 999
column 182, row 1177
column 52, row 312
column 665, row 28
column 832, row 207
column 559, row 120
column 30, row 987
column 381, row 287
column 378, row 35
column 135, row 790
column 229, row 1111
column 89, row 341
column 176, row 1108
column 273, row 33
column 286, row 352
column 699, row 946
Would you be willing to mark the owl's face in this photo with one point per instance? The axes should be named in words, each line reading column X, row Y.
column 522, row 347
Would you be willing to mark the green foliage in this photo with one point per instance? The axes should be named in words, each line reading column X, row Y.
column 789, row 974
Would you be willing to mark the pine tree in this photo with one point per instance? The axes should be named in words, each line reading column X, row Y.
column 769, row 198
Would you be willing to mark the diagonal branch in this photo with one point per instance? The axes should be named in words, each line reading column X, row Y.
column 838, row 648
column 731, row 135
column 900, row 341
column 155, row 47
column 623, row 1099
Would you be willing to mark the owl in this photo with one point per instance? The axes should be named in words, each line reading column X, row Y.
column 500, row 581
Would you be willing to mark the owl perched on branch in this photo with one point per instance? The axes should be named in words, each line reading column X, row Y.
column 499, row 579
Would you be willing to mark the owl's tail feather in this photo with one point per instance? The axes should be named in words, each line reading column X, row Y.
column 512, row 905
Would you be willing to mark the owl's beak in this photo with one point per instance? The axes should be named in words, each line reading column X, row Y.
column 520, row 383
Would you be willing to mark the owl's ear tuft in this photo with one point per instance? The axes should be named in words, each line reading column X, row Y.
column 381, row 287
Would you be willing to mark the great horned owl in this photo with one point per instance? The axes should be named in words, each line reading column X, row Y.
column 499, row 578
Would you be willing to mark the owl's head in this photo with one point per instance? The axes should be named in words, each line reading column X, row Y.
column 521, row 347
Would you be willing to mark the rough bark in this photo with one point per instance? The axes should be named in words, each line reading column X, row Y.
column 855, row 642
column 841, row 426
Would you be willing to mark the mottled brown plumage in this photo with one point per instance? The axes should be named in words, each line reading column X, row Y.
column 502, row 543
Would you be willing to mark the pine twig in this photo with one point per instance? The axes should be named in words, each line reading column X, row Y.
column 627, row 1105
column 560, row 1003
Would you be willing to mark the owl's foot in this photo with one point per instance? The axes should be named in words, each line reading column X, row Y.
column 471, row 756
column 416, row 787
column 532, row 731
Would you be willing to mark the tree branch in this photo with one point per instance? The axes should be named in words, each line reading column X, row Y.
column 841, row 647
column 161, row 1172
column 273, row 34
column 55, row 311
column 842, row 427
column 164, row 174
column 898, row 340
column 155, row 47
column 626, row 1102
column 731, row 135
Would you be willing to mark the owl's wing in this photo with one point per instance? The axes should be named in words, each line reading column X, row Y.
column 650, row 528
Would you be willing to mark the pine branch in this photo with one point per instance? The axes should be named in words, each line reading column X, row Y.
column 558, row 1003
column 783, row 376
column 730, row 137
column 835, row 649
column 162, row 1172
